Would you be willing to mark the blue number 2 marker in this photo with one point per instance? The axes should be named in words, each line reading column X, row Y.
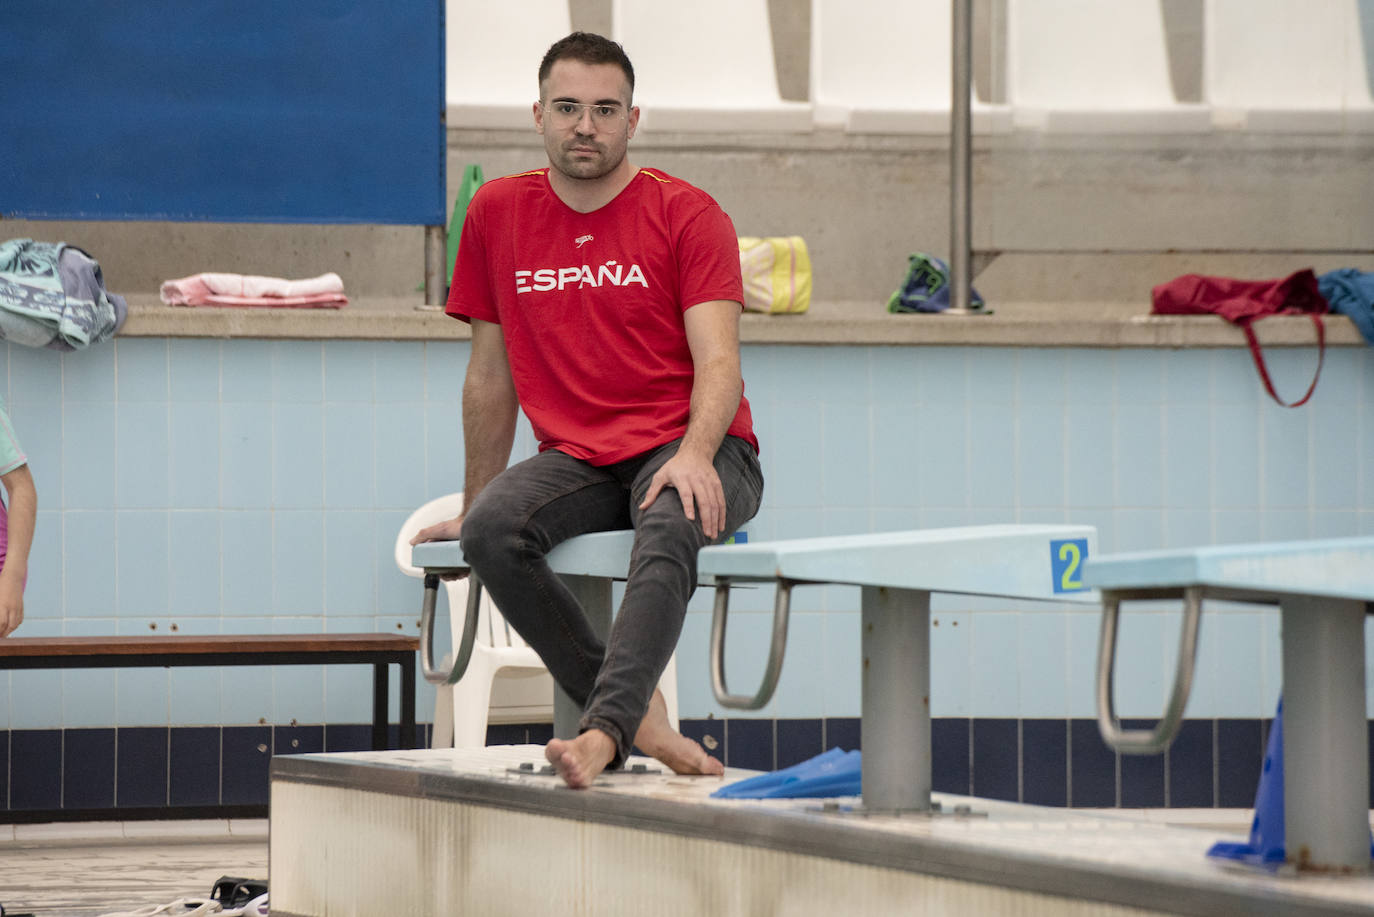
column 1066, row 564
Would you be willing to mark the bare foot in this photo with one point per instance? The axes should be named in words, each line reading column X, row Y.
column 579, row 760
column 657, row 737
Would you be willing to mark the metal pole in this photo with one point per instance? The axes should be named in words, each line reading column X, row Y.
column 895, row 699
column 961, row 161
column 1325, row 750
column 436, row 262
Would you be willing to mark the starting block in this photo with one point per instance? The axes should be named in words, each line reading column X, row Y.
column 897, row 572
column 1324, row 590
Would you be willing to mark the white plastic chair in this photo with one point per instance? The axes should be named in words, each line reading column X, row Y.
column 706, row 65
column 492, row 60
column 884, row 67
column 1085, row 66
column 506, row 681
column 1286, row 65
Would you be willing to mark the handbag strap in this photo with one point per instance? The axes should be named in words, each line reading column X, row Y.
column 1258, row 354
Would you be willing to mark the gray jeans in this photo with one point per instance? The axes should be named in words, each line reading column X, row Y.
column 531, row 507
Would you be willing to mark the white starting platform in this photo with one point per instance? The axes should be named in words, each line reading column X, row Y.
column 487, row 831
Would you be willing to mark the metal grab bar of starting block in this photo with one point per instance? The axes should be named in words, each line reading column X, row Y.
column 1158, row 739
column 434, row 674
column 781, row 611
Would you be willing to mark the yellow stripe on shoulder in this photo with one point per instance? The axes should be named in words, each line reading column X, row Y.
column 658, row 178
column 521, row 174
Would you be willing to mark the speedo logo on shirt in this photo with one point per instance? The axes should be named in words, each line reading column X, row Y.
column 549, row 278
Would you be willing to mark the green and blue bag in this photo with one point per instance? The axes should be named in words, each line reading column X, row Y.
column 925, row 288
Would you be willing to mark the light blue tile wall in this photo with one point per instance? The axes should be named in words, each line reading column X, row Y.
column 142, row 554
column 1042, row 663
column 244, row 485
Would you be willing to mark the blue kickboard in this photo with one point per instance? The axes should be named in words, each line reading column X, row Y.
column 832, row 773
column 1266, row 848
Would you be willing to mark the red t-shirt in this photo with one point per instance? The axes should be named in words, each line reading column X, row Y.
column 591, row 305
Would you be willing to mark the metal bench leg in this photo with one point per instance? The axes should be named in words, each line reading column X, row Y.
column 593, row 593
column 896, row 699
column 408, row 704
column 1325, row 750
column 380, row 688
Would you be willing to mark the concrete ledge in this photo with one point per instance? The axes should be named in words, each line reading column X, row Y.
column 332, row 816
column 1021, row 324
column 377, row 318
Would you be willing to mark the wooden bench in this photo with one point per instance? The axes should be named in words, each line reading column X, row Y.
column 376, row 650
column 1324, row 590
column 897, row 572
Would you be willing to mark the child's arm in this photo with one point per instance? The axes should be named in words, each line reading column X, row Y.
column 23, row 510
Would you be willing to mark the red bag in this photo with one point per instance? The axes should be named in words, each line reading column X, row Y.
column 1243, row 302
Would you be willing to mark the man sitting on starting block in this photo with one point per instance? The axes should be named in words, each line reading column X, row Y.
column 604, row 301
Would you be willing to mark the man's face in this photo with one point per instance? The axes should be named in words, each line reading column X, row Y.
column 585, row 117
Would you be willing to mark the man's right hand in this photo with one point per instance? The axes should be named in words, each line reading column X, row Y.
column 448, row 530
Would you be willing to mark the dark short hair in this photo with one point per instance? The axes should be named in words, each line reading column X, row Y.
column 589, row 48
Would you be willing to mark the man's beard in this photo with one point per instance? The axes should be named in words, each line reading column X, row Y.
column 573, row 166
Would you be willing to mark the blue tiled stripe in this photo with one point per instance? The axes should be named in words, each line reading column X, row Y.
column 1051, row 761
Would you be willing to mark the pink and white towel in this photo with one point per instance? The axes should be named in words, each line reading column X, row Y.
column 322, row 292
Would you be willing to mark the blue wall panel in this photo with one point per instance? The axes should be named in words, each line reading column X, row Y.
column 315, row 111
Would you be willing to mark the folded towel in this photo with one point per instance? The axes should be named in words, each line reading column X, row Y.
column 210, row 289
column 319, row 301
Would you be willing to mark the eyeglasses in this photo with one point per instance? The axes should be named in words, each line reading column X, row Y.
column 567, row 114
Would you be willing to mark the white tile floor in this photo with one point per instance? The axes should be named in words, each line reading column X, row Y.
column 89, row 869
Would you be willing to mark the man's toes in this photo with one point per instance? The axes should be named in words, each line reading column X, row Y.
column 553, row 752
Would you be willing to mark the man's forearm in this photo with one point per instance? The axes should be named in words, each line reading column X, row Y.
column 716, row 392
column 489, row 412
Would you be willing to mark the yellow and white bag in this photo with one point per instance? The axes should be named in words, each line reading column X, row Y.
column 777, row 274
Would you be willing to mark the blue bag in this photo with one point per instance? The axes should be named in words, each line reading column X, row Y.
column 1351, row 293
